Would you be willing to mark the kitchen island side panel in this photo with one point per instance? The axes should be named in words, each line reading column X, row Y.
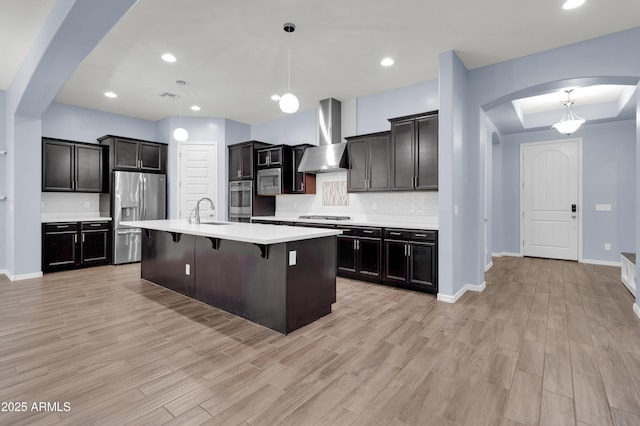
column 311, row 282
column 164, row 256
column 235, row 278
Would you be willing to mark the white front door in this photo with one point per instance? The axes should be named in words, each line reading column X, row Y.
column 197, row 178
column 550, row 199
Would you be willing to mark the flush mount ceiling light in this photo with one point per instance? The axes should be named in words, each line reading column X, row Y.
column 275, row 97
column 110, row 95
column 168, row 57
column 386, row 62
column 569, row 122
column 572, row 4
column 288, row 102
column 180, row 133
column 195, row 108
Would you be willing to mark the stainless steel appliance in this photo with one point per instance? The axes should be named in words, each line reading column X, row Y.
column 270, row 181
column 135, row 196
column 240, row 201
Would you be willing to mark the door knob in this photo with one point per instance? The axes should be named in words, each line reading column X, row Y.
column 574, row 209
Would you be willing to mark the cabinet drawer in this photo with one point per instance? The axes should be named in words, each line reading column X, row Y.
column 88, row 226
column 410, row 235
column 369, row 232
column 61, row 227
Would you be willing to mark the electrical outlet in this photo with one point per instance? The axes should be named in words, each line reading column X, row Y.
column 187, row 269
column 87, row 204
column 292, row 258
column 295, row 204
column 42, row 204
column 374, row 205
column 603, row 207
column 607, row 247
column 456, row 211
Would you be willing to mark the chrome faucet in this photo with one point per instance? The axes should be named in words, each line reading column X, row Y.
column 195, row 213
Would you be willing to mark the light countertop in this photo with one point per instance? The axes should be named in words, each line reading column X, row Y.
column 235, row 231
column 49, row 218
column 378, row 222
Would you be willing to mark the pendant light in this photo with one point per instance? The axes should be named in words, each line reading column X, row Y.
column 180, row 133
column 569, row 122
column 289, row 102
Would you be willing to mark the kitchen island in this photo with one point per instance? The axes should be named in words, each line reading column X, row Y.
column 280, row 277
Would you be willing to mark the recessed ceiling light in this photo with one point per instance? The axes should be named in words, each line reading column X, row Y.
column 572, row 4
column 168, row 57
column 386, row 62
column 195, row 108
column 275, row 97
column 110, row 95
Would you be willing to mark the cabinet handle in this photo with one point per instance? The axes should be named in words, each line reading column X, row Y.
column 95, row 224
column 302, row 187
column 420, row 235
column 75, row 239
column 355, row 244
column 62, row 226
column 83, row 238
column 405, row 250
column 395, row 233
column 408, row 250
column 368, row 232
column 358, row 241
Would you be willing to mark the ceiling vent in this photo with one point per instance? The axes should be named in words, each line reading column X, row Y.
column 169, row 95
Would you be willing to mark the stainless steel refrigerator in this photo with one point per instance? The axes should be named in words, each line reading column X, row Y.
column 135, row 196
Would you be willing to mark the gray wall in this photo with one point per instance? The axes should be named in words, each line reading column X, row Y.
column 3, row 179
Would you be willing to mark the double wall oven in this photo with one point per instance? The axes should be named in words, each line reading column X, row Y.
column 240, row 201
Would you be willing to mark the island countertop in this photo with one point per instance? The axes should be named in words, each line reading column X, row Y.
column 244, row 232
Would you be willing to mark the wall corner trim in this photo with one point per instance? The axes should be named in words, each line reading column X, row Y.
column 24, row 276
column 488, row 266
column 468, row 287
column 636, row 309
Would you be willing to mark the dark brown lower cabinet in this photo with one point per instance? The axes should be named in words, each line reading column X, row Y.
column 360, row 253
column 411, row 259
column 69, row 245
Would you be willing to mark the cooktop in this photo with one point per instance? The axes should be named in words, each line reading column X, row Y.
column 320, row 217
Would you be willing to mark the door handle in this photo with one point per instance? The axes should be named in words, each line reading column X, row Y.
column 574, row 209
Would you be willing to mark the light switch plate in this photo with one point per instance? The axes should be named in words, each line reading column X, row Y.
column 603, row 207
column 292, row 258
column 607, row 247
column 187, row 269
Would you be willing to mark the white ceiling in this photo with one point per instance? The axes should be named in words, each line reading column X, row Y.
column 233, row 53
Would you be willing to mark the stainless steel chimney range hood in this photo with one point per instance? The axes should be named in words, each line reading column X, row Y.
column 331, row 153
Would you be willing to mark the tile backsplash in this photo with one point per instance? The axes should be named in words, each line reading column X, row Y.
column 410, row 205
column 72, row 203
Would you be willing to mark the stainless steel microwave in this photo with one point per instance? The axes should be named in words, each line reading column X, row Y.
column 269, row 181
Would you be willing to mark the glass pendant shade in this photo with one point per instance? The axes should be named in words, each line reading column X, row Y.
column 569, row 122
column 289, row 103
column 180, row 134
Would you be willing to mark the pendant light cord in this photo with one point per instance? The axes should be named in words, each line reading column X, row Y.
column 289, row 84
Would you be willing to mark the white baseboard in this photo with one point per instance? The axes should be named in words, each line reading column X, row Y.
column 508, row 254
column 600, row 262
column 488, row 266
column 23, row 276
column 636, row 309
column 469, row 287
column 496, row 254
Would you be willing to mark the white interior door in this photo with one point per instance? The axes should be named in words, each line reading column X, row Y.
column 550, row 199
column 197, row 178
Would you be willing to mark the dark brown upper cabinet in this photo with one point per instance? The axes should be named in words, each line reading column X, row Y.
column 369, row 162
column 414, row 141
column 135, row 155
column 303, row 183
column 242, row 160
column 69, row 166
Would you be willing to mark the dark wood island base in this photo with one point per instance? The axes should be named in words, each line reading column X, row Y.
column 258, row 282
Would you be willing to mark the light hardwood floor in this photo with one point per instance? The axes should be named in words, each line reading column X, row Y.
column 548, row 342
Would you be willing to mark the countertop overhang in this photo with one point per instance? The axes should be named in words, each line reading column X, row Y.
column 244, row 232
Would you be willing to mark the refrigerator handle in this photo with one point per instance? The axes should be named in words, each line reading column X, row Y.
column 143, row 207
